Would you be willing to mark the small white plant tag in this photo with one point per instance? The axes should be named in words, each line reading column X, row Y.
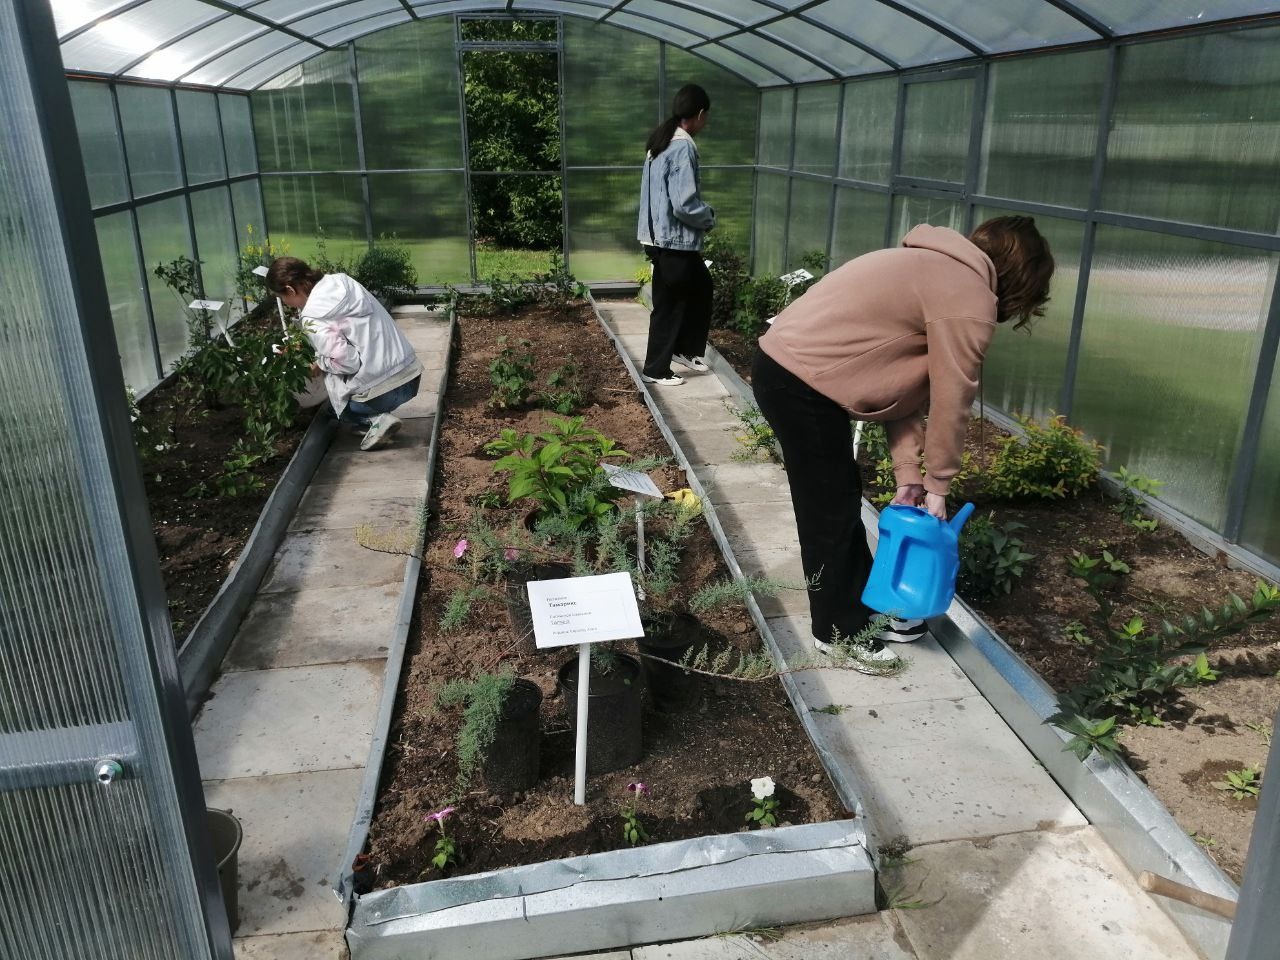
column 796, row 276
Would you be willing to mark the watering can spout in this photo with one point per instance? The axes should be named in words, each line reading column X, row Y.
column 958, row 521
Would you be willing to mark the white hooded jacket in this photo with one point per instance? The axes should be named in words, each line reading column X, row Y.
column 357, row 344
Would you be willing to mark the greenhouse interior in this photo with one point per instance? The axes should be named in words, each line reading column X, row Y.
column 158, row 149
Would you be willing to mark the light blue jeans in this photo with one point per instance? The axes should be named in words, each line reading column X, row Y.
column 360, row 414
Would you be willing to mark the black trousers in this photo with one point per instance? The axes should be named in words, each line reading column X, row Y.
column 826, row 491
column 681, row 316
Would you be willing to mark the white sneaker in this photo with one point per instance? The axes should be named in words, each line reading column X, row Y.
column 671, row 381
column 902, row 631
column 871, row 658
column 696, row 364
column 383, row 427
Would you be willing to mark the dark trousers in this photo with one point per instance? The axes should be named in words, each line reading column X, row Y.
column 681, row 316
column 826, row 491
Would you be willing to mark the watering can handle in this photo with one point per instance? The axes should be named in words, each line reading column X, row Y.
column 957, row 522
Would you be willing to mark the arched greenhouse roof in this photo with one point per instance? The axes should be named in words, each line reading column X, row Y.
column 224, row 43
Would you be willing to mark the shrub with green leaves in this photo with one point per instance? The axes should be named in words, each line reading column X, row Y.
column 1051, row 460
column 512, row 375
column 729, row 276
column 754, row 435
column 1133, row 488
column 762, row 298
column 482, row 698
column 564, row 390
column 991, row 558
column 386, row 269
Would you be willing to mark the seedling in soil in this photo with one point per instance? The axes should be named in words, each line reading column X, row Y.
column 1203, row 839
column 1201, row 672
column 755, row 436
column 446, row 851
column 1241, row 784
column 512, row 375
column 1134, row 486
column 765, row 812
column 632, row 830
column 1263, row 729
column 831, row 709
column 898, row 898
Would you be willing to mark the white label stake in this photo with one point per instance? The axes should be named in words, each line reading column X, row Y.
column 643, row 485
column 580, row 744
column 640, row 547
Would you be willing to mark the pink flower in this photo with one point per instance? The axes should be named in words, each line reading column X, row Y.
column 440, row 815
column 637, row 788
column 511, row 553
column 460, row 549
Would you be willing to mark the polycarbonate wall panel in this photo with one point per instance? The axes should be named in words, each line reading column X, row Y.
column 1196, row 131
column 298, row 208
column 409, row 97
column 810, row 220
column 163, row 227
column 216, row 241
column 100, row 145
column 770, row 223
column 308, row 124
column 730, row 135
column 1041, row 127
column 126, row 298
column 1261, row 530
column 427, row 213
column 609, row 129
column 817, row 119
column 912, row 211
column 1024, row 371
column 150, row 138
column 936, row 125
column 777, row 108
column 866, row 130
column 860, row 217
column 237, row 133
column 201, row 141
column 602, row 224
column 1170, row 332
column 731, row 193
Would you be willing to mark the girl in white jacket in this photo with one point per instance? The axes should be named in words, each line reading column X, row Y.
column 369, row 367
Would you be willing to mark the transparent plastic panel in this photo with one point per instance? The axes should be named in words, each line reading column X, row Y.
column 150, row 138
column 1170, row 334
column 201, row 142
column 817, row 116
column 736, row 62
column 237, row 132
column 1024, row 369
column 902, row 39
column 653, row 28
column 793, row 66
column 770, row 224
column 282, row 11
column 1261, row 530
column 223, row 69
column 181, row 57
column 1196, row 131
column 743, row 11
column 810, row 220
column 165, row 236
column 123, row 38
column 216, row 240
column 427, row 212
column 912, row 211
column 69, row 15
column 1003, row 25
column 246, row 203
column 732, row 193
column 363, row 28
column 602, row 224
column 777, row 107
column 859, row 227
column 100, row 145
column 309, row 125
column 341, row 16
column 866, row 133
column 937, row 121
column 847, row 58
column 730, row 135
column 1135, row 16
column 298, row 208
column 400, row 70
column 686, row 19
column 603, row 130
column 590, row 11
column 127, row 299
column 1041, row 128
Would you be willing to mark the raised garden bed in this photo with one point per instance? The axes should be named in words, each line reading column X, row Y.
column 698, row 754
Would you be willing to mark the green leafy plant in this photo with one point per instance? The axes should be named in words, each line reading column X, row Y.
column 386, row 269
column 446, row 851
column 1051, row 460
column 761, row 299
column 1088, row 735
column 730, row 279
column 557, row 287
column 1241, row 784
column 1200, row 672
column 237, row 476
column 254, row 253
column 482, row 698
column 1263, row 729
column 512, row 375
column 875, row 444
column 991, row 558
column 754, row 434
column 765, row 811
column 273, row 368
column 1133, row 487
column 564, row 390
column 632, row 829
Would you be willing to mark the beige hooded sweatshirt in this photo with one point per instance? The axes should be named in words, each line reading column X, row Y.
column 892, row 332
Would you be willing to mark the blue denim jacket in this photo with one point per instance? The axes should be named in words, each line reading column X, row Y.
column 669, row 191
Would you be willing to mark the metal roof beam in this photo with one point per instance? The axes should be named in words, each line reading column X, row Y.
column 1088, row 19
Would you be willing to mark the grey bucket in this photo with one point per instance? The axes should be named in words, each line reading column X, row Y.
column 225, row 833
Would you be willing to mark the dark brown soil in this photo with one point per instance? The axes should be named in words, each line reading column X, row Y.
column 199, row 534
column 740, row 351
column 732, row 732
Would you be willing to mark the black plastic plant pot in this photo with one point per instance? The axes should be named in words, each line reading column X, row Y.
column 613, row 712
column 519, row 616
column 512, row 761
column 670, row 636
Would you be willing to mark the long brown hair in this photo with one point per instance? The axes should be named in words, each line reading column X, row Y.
column 689, row 101
column 1024, row 266
column 292, row 272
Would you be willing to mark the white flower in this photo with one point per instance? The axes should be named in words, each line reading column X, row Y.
column 762, row 787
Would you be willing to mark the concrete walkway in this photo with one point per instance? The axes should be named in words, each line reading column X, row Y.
column 1002, row 866
column 284, row 739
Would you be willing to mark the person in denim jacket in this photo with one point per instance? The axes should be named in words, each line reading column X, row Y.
column 673, row 220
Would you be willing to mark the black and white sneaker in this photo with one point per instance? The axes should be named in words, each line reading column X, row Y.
column 382, row 429
column 903, row 631
column 696, row 364
column 871, row 657
column 671, row 380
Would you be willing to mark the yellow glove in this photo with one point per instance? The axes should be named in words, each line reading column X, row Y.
column 687, row 499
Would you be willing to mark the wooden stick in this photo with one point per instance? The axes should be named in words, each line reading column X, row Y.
column 1164, row 887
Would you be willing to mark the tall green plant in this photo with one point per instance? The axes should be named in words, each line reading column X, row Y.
column 1051, row 460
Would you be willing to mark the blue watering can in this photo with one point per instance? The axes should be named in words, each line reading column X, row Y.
column 914, row 573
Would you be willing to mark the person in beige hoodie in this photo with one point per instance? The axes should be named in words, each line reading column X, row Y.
column 887, row 337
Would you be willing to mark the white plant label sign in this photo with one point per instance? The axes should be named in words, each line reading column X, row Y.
column 206, row 304
column 260, row 271
column 796, row 276
column 584, row 610
column 631, row 480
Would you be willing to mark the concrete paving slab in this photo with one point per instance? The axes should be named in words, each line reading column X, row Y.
column 611, row 955
column 1064, row 895
column 423, row 405
column 393, row 465
column 778, row 564
column 295, row 830
column 342, row 506
column 306, row 627
column 329, row 558
column 957, row 771
column 862, row 938
column 786, row 603
column 705, row 443
column 321, row 945
column 759, row 526
column 743, row 483
column 415, row 434
column 635, row 344
column 292, row 720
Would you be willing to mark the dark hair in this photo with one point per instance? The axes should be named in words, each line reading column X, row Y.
column 690, row 100
column 1024, row 266
column 291, row 272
